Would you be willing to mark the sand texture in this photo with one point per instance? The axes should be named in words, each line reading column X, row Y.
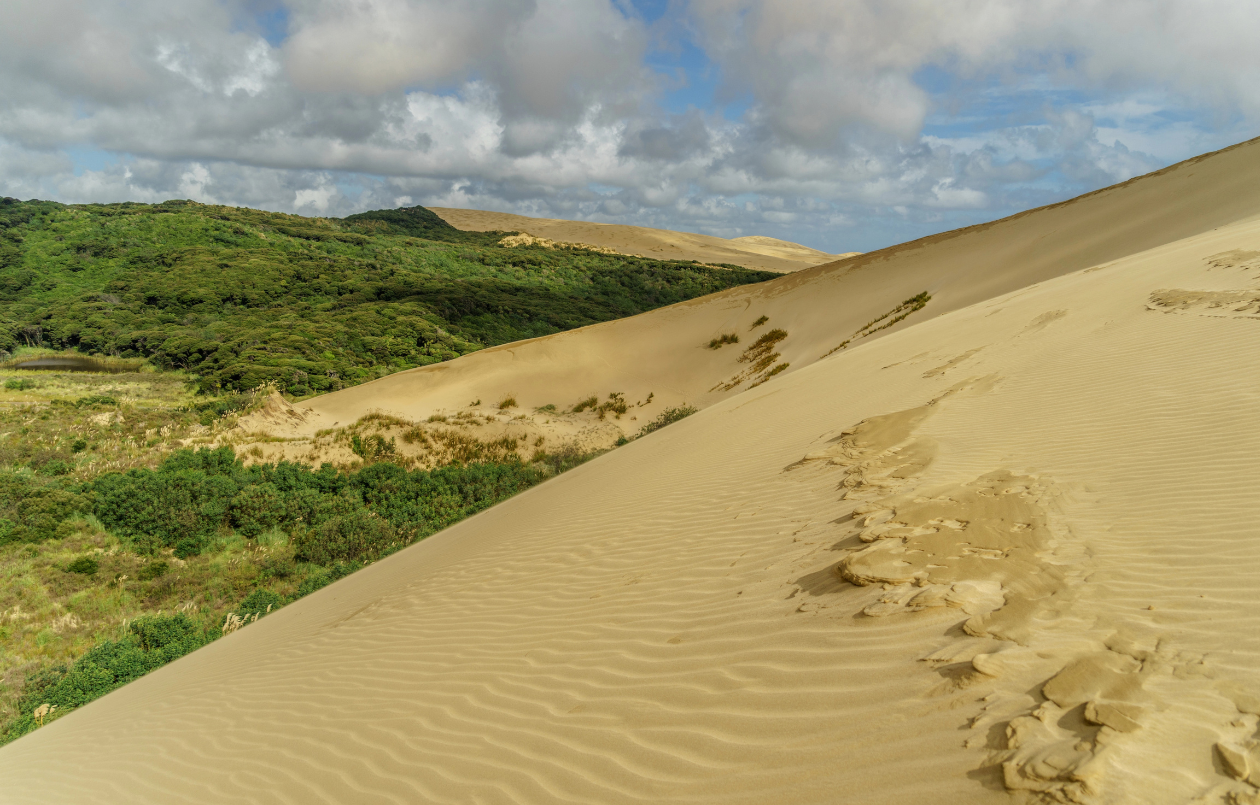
column 754, row 251
column 1005, row 551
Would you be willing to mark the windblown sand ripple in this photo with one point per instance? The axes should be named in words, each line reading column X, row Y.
column 1005, row 554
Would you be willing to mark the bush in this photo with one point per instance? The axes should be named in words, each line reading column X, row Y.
column 42, row 510
column 667, row 417
column 256, row 509
column 723, row 340
column 56, row 468
column 78, row 446
column 19, row 384
column 507, row 402
column 358, row 535
column 153, row 570
column 259, row 602
column 84, row 565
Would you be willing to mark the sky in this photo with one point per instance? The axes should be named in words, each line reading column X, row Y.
column 846, row 125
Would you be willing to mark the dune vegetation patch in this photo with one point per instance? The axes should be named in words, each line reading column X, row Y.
column 760, row 356
column 897, row 314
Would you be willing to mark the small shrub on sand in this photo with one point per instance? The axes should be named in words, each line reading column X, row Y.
column 759, row 322
column 590, row 402
column 667, row 417
column 507, row 402
column 723, row 340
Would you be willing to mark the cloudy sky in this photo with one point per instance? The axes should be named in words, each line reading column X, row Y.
column 842, row 124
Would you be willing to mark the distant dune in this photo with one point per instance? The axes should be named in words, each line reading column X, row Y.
column 1003, row 550
column 768, row 254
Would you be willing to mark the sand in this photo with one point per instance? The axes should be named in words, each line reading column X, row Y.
column 754, row 251
column 1003, row 551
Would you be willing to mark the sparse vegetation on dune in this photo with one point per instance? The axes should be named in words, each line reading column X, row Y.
column 900, row 312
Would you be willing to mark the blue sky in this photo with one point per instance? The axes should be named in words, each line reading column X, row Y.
column 843, row 125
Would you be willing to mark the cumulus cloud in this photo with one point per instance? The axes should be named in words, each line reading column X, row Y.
column 846, row 125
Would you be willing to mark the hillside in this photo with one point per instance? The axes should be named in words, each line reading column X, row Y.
column 754, row 251
column 242, row 297
column 995, row 552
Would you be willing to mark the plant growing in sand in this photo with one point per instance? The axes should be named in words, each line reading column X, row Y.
column 723, row 340
column 507, row 402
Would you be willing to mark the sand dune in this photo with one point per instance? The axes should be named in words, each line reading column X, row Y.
column 1003, row 551
column 768, row 254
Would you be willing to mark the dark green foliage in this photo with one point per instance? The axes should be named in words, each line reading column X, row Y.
column 150, row 643
column 241, row 297
column 257, row 508
column 667, row 417
column 358, row 534
column 56, row 467
column 94, row 400
column 19, row 384
column 78, row 446
column 333, row 516
column 318, row 581
column 259, row 602
column 760, row 321
column 84, row 565
column 419, row 222
column 723, row 340
column 154, row 570
column 38, row 510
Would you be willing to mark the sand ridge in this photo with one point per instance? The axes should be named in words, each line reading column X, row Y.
column 754, row 251
column 1000, row 553
column 664, row 353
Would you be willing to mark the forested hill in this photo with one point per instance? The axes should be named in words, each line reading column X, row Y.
column 240, row 297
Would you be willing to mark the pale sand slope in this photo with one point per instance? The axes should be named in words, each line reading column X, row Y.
column 1047, row 494
column 754, row 251
column 663, row 352
column 666, row 624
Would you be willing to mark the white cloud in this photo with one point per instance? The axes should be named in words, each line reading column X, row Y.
column 874, row 119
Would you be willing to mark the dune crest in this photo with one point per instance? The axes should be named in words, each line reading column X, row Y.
column 1001, row 552
column 767, row 254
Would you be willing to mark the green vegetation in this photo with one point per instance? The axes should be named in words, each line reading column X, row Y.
column 723, row 340
column 239, row 297
column 667, row 417
column 760, row 321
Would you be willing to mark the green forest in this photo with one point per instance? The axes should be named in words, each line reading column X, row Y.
column 240, row 297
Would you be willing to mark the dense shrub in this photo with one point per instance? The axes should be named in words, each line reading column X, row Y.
column 257, row 508
column 358, row 535
column 259, row 602
column 84, row 565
